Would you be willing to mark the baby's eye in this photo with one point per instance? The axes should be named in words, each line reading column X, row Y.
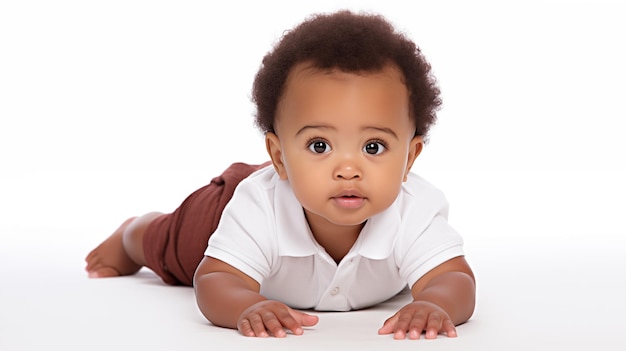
column 319, row 147
column 374, row 148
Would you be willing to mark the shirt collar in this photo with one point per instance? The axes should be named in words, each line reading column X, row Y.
column 294, row 236
column 378, row 236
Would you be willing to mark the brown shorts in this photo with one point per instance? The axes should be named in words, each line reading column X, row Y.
column 174, row 244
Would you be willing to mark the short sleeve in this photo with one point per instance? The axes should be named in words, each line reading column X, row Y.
column 243, row 237
column 426, row 238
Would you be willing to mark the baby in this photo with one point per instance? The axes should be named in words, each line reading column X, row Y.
column 337, row 221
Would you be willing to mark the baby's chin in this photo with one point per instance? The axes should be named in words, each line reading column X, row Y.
column 347, row 220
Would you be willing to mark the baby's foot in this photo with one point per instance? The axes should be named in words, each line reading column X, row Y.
column 110, row 259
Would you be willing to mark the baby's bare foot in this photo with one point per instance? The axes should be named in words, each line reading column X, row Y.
column 110, row 259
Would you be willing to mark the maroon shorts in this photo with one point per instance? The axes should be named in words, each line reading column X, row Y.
column 174, row 244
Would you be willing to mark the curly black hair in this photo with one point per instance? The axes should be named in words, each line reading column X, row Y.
column 349, row 42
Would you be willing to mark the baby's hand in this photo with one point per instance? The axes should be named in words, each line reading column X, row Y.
column 417, row 317
column 273, row 317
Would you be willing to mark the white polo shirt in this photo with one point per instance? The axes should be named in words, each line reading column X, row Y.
column 263, row 233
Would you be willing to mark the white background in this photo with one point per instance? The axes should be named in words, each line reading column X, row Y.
column 112, row 109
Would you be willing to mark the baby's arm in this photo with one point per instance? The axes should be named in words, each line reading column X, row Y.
column 442, row 298
column 229, row 298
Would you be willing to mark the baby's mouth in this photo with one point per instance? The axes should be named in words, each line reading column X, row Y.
column 349, row 201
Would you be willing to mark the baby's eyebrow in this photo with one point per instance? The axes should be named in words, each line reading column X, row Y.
column 382, row 129
column 317, row 126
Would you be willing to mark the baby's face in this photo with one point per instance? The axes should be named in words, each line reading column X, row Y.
column 345, row 142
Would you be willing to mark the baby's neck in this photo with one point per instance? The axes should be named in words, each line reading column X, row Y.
column 337, row 240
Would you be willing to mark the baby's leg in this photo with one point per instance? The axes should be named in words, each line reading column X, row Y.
column 122, row 252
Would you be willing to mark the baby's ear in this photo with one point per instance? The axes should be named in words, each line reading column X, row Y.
column 272, row 143
column 415, row 148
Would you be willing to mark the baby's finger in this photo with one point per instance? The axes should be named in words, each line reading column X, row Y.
column 402, row 326
column 245, row 328
column 389, row 325
column 449, row 328
column 435, row 322
column 305, row 319
column 273, row 324
column 416, row 327
column 286, row 320
column 257, row 325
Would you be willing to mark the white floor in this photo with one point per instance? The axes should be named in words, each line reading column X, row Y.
column 549, row 262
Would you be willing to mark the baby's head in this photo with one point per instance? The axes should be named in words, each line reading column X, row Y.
column 352, row 43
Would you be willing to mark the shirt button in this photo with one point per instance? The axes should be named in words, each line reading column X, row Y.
column 335, row 291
